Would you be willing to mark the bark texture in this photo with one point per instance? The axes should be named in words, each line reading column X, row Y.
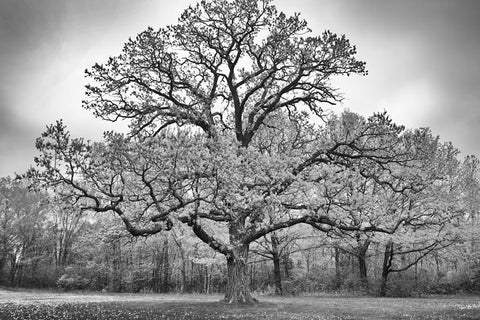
column 238, row 286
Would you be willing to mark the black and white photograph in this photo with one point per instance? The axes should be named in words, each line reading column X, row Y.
column 239, row 159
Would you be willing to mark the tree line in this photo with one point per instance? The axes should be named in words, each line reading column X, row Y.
column 433, row 248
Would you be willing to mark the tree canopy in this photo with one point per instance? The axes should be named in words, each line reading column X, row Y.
column 226, row 65
column 229, row 133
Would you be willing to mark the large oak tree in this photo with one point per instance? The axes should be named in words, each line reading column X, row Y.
column 223, row 138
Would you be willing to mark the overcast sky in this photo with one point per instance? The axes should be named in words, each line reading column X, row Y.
column 423, row 58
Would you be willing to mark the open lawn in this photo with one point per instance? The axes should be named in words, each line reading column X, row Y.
column 31, row 304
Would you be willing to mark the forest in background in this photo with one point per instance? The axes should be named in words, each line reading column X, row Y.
column 45, row 242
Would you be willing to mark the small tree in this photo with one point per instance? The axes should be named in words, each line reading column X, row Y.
column 22, row 239
column 432, row 214
column 277, row 247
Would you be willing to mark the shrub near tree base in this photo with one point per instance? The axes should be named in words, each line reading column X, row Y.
column 71, row 280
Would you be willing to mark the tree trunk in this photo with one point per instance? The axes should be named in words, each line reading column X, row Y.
column 437, row 264
column 287, row 264
column 277, row 272
column 238, row 288
column 13, row 269
column 362, row 266
column 383, row 284
column 387, row 267
column 3, row 263
column 156, row 270
column 253, row 280
column 183, row 272
column 338, row 271
column 166, row 267
column 207, row 280
column 362, row 263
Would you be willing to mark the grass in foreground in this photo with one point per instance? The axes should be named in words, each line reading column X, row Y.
column 38, row 305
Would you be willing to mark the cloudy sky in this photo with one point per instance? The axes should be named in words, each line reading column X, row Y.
column 423, row 58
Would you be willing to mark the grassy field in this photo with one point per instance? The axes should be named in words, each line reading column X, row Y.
column 43, row 305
